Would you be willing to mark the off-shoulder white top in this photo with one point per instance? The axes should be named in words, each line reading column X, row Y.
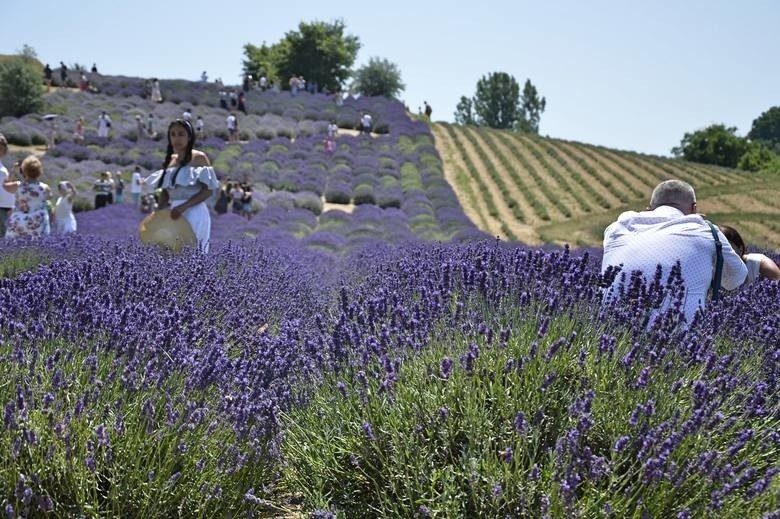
column 188, row 181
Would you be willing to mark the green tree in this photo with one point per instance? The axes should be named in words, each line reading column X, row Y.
column 757, row 157
column 766, row 128
column 715, row 144
column 21, row 87
column 322, row 52
column 464, row 112
column 497, row 101
column 531, row 108
column 379, row 77
column 261, row 61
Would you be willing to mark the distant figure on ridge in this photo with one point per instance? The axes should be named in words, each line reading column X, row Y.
column 103, row 125
column 428, row 110
column 232, row 127
column 366, row 122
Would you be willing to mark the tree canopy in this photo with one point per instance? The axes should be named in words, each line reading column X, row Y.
column 715, row 144
column 21, row 85
column 497, row 103
column 379, row 77
column 766, row 127
column 322, row 52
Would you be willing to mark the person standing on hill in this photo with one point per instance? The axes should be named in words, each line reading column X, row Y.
column 150, row 125
column 156, row 93
column 7, row 199
column 187, row 180
column 428, row 110
column 119, row 188
column 47, row 76
column 199, row 127
column 103, row 125
column 103, row 189
column 136, row 186
column 671, row 231
column 223, row 99
column 366, row 123
column 78, row 132
column 63, row 74
column 232, row 127
column 242, row 102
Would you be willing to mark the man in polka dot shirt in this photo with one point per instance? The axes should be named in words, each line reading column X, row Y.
column 668, row 232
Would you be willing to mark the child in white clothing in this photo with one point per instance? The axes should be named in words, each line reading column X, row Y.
column 64, row 220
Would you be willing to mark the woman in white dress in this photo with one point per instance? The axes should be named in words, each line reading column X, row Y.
column 187, row 180
column 64, row 219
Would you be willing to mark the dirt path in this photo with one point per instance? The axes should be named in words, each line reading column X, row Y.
column 473, row 206
column 522, row 232
column 36, row 150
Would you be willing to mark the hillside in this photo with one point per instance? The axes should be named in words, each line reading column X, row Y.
column 388, row 186
column 542, row 190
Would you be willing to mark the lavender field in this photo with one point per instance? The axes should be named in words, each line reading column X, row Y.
column 392, row 361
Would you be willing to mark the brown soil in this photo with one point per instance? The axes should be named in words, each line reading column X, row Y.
column 524, row 232
column 475, row 210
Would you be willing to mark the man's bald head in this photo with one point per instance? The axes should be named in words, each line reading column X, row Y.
column 674, row 193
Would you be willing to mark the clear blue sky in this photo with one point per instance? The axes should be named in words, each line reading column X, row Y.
column 624, row 74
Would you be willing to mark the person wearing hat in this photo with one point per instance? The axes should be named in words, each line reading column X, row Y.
column 187, row 180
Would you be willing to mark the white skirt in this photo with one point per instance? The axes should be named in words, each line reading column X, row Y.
column 200, row 220
column 65, row 225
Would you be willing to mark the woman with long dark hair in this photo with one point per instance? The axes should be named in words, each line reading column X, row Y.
column 187, row 180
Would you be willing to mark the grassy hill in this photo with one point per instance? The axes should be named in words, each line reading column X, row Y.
column 541, row 190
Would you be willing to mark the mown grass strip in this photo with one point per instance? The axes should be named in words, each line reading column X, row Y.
column 539, row 208
column 462, row 180
column 610, row 186
column 543, row 144
column 680, row 170
column 509, row 200
column 544, row 187
column 632, row 168
column 602, row 163
column 486, row 196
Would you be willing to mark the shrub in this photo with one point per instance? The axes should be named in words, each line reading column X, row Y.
column 310, row 201
column 21, row 90
column 338, row 193
column 364, row 194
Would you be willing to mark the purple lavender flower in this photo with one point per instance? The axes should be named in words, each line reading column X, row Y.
column 508, row 455
column 445, row 368
column 521, row 424
column 368, row 431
